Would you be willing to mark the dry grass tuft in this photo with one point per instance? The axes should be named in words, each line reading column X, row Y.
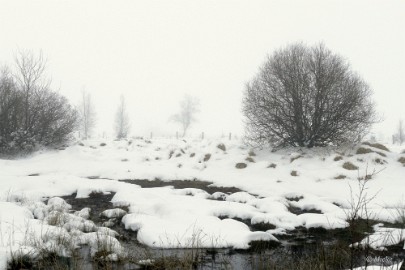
column 222, row 147
column 340, row 176
column 294, row 173
column 207, row 157
column 241, row 165
column 377, row 145
column 272, row 165
column 363, row 150
column 295, row 158
column 250, row 159
column 337, row 158
column 349, row 166
column 380, row 161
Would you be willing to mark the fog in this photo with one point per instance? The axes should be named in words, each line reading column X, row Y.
column 155, row 52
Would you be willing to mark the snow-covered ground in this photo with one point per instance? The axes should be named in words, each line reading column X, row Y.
column 309, row 179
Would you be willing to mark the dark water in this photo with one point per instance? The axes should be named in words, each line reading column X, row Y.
column 300, row 249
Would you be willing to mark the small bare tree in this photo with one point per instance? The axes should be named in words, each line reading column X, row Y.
column 307, row 96
column 189, row 107
column 401, row 133
column 122, row 125
column 30, row 79
column 87, row 116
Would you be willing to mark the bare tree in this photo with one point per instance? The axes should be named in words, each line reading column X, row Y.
column 122, row 125
column 401, row 133
column 307, row 96
column 87, row 116
column 189, row 107
column 30, row 79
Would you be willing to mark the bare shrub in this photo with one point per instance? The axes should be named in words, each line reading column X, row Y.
column 31, row 114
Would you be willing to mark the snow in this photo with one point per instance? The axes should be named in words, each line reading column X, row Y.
column 114, row 213
column 383, row 237
column 396, row 266
column 169, row 217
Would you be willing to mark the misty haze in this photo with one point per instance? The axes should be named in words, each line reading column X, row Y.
column 202, row 134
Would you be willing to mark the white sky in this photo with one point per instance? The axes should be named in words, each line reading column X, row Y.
column 154, row 52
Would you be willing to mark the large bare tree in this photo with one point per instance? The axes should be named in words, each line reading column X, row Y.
column 189, row 107
column 307, row 96
column 122, row 125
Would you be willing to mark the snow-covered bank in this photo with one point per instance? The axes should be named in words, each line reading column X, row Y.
column 272, row 184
